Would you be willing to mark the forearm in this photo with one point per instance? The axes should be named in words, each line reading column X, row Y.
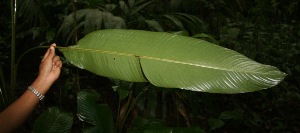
column 13, row 116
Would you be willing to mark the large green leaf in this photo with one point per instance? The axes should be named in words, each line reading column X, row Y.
column 171, row 61
column 53, row 121
column 98, row 115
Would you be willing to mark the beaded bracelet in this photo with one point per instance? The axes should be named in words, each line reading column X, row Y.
column 38, row 94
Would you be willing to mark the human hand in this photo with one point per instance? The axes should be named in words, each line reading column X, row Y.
column 50, row 66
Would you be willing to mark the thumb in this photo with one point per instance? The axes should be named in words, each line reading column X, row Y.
column 50, row 54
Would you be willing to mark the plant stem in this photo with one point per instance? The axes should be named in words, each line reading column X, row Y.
column 75, row 20
column 132, row 104
column 3, row 91
column 13, row 51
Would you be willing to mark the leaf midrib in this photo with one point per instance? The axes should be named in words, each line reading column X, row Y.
column 155, row 58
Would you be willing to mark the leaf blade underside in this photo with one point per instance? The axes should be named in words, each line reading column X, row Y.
column 171, row 61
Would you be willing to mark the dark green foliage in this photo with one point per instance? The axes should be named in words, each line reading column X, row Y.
column 98, row 115
column 53, row 121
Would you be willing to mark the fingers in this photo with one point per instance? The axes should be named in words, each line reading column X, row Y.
column 50, row 67
column 53, row 44
column 50, row 53
column 46, row 54
column 57, row 62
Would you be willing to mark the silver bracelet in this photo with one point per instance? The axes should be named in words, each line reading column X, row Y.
column 38, row 94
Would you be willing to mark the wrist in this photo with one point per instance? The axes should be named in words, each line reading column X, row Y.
column 41, row 84
column 36, row 92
